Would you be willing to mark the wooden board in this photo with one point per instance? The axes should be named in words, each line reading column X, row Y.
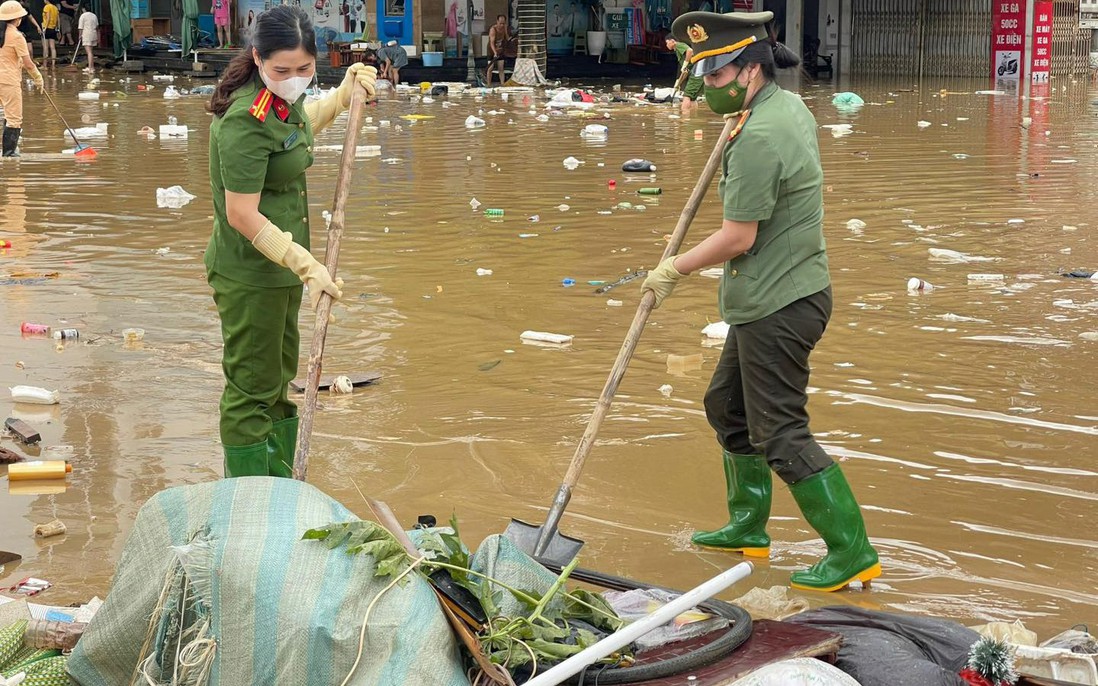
column 21, row 430
column 362, row 379
column 770, row 642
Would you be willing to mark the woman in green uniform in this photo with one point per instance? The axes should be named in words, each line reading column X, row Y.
column 261, row 143
column 776, row 296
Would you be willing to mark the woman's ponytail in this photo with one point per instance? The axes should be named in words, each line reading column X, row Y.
column 241, row 70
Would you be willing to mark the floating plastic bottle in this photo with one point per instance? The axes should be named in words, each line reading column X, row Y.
column 28, row 327
column 38, row 469
column 493, row 212
column 66, row 334
column 650, row 191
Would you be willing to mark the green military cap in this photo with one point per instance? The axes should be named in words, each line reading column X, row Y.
column 717, row 39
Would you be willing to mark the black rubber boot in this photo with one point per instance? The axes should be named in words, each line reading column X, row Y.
column 11, row 142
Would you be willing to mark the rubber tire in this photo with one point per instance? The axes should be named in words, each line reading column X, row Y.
column 733, row 638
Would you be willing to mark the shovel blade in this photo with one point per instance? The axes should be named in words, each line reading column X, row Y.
column 560, row 551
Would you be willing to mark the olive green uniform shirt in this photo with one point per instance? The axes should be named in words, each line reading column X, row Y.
column 269, row 157
column 772, row 175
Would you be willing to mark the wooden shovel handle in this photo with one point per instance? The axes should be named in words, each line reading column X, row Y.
column 648, row 301
column 331, row 261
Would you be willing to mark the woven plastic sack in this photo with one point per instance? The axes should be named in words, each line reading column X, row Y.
column 499, row 558
column 221, row 570
column 47, row 672
column 11, row 641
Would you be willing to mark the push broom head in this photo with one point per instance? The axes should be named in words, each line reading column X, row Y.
column 86, row 152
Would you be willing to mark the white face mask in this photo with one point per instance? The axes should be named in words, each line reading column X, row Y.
column 288, row 89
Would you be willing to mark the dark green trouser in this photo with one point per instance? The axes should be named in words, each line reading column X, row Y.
column 259, row 328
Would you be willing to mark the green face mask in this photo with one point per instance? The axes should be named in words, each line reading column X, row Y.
column 726, row 99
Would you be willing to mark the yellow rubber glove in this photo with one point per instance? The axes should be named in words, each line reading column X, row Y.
column 323, row 112
column 36, row 76
column 278, row 246
column 662, row 279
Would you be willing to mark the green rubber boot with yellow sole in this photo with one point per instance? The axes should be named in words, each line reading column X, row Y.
column 750, row 486
column 829, row 506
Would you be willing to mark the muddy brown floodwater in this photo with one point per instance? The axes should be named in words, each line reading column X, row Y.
column 966, row 416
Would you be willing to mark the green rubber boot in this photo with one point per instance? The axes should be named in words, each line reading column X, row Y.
column 749, row 489
column 281, row 446
column 829, row 506
column 245, row 460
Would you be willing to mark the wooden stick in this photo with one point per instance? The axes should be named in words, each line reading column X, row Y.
column 331, row 261
column 644, row 309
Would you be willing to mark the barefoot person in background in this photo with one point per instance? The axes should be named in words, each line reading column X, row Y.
column 89, row 36
column 51, row 20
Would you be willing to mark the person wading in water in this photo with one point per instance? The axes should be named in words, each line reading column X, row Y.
column 261, row 143
column 776, row 296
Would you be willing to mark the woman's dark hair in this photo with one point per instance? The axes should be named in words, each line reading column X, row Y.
column 768, row 54
column 283, row 27
column 4, row 28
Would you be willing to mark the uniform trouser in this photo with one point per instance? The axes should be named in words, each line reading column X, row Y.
column 11, row 97
column 694, row 87
column 259, row 329
column 757, row 398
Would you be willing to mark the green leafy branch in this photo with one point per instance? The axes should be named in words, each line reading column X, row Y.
column 542, row 636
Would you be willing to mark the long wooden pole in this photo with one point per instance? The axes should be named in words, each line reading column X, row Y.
column 331, row 261
column 647, row 303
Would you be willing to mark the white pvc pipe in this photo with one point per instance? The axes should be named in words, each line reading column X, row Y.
column 623, row 637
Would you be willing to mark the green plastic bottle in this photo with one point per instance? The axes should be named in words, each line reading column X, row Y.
column 493, row 212
column 650, row 191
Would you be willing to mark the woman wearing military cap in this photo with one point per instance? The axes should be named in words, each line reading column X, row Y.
column 776, row 296
column 261, row 143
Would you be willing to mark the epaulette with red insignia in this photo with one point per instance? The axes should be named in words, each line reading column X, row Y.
column 265, row 101
column 262, row 104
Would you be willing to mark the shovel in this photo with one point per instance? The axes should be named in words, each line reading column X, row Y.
column 545, row 543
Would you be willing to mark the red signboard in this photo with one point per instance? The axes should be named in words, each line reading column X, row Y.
column 1008, row 39
column 1042, row 41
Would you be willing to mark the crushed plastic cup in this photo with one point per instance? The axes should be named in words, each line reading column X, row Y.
column 568, row 283
column 132, row 335
column 571, row 163
column 915, row 284
column 472, row 122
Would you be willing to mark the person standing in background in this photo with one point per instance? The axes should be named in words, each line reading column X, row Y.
column 497, row 44
column 28, row 22
column 51, row 20
column 68, row 22
column 14, row 58
column 89, row 36
column 221, row 11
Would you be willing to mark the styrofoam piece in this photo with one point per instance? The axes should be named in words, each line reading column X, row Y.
column 717, row 331
column 88, row 95
column 33, row 395
column 173, row 131
column 1056, row 663
column 545, row 337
